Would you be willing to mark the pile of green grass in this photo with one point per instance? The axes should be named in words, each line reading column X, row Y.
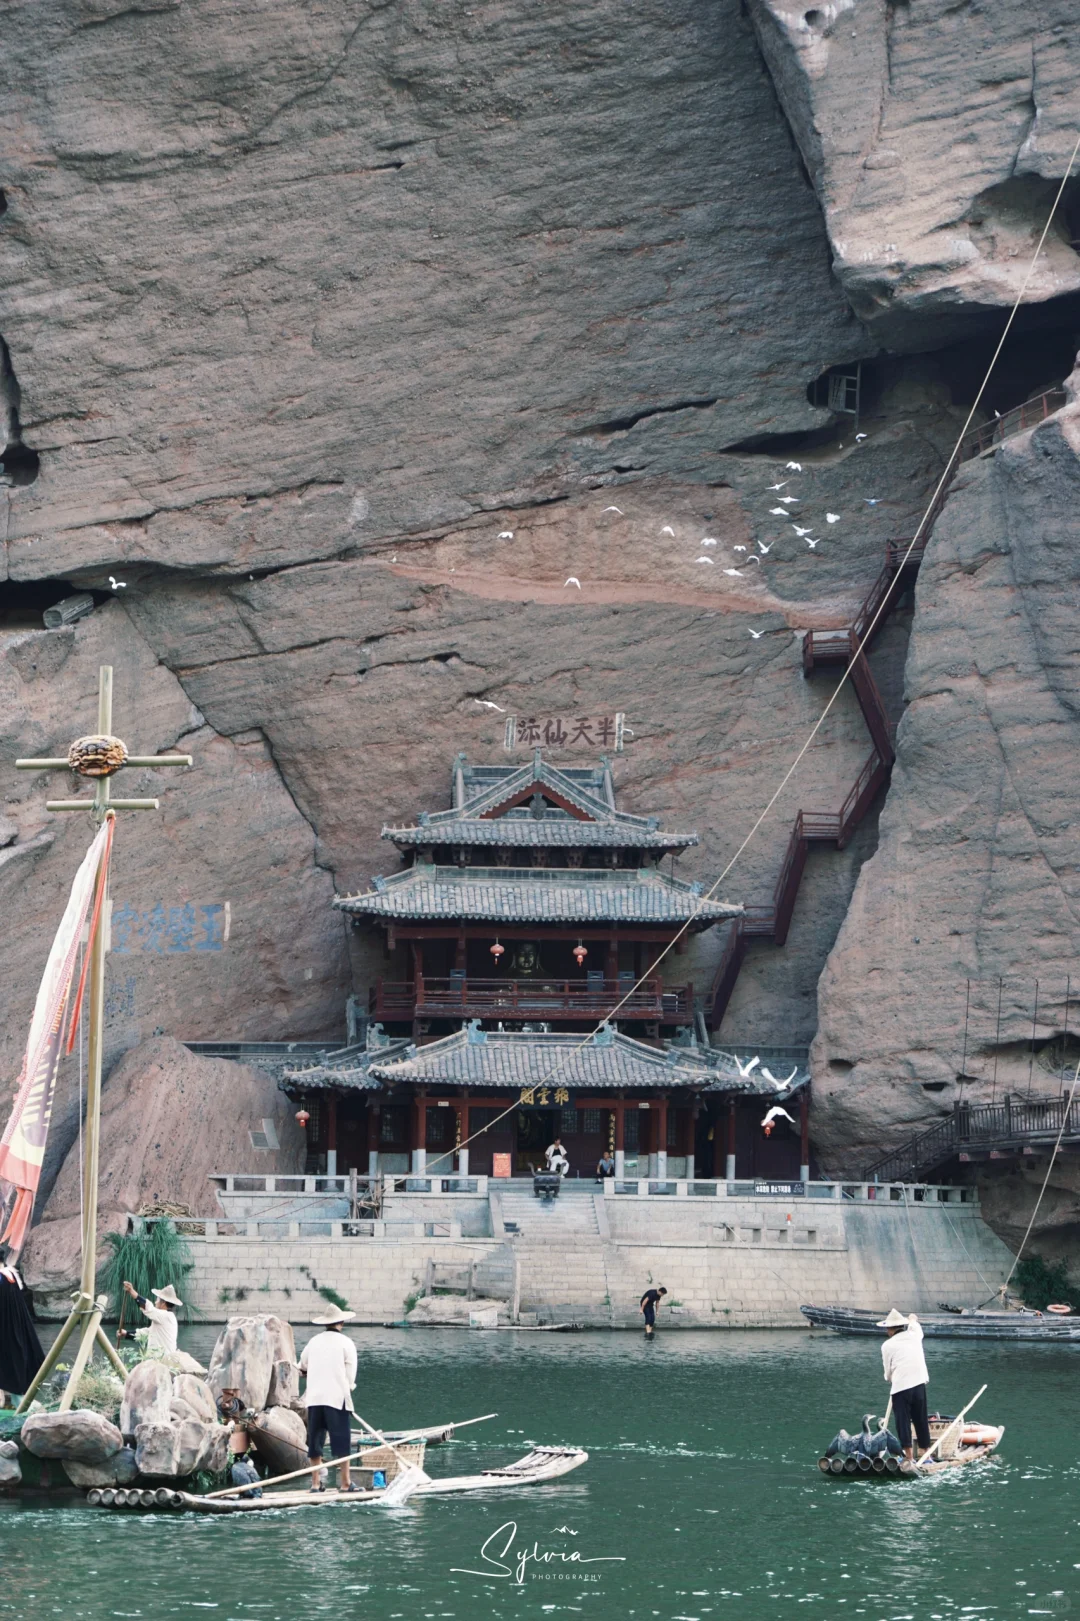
column 150, row 1260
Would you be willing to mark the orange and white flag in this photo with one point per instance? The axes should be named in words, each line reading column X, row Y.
column 22, row 1147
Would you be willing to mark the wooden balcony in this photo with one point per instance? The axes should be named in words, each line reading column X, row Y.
column 529, row 999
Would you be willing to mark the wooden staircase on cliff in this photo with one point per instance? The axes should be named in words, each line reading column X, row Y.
column 821, row 649
column 976, row 1132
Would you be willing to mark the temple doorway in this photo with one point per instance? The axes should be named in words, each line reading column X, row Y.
column 534, row 1130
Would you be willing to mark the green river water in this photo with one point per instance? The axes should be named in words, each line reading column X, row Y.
column 701, row 1498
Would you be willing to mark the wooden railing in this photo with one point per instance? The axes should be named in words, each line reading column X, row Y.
column 528, row 999
column 1018, row 420
column 1010, row 1124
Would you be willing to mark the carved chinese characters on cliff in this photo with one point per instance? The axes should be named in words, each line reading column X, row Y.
column 565, row 732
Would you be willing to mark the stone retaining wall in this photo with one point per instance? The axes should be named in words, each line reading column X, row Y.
column 733, row 1263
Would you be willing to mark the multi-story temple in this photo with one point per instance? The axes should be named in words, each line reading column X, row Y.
column 532, row 941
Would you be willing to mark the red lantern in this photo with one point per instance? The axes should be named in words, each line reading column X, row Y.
column 497, row 950
column 303, row 1116
column 580, row 953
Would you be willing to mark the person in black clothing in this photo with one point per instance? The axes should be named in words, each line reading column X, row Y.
column 650, row 1302
column 20, row 1349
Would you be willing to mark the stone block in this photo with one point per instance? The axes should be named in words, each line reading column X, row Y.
column 148, row 1392
column 119, row 1470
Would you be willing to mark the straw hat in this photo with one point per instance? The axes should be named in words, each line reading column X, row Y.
column 167, row 1294
column 332, row 1317
column 895, row 1319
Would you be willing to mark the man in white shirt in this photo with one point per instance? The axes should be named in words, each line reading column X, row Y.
column 905, row 1370
column 161, row 1340
column 555, row 1155
column 329, row 1361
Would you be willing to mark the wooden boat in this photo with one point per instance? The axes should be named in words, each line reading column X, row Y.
column 536, row 1467
column 971, row 1443
column 956, row 1325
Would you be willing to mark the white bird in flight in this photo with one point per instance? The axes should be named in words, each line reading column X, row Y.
column 802, row 533
column 790, row 500
column 486, row 704
column 783, row 482
column 757, row 634
column 832, row 517
column 506, row 534
column 778, row 512
column 710, row 540
column 859, row 436
column 573, row 580
column 794, row 467
column 811, row 543
column 744, row 1072
column 763, row 549
column 737, row 571
column 613, row 509
column 117, row 585
column 774, row 1114
column 711, row 560
column 738, row 548
column 667, row 530
column 872, row 500
column 769, row 1076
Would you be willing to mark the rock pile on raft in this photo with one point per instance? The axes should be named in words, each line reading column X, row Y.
column 169, row 1426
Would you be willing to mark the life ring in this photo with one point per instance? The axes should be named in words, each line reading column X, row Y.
column 1060, row 1310
column 979, row 1435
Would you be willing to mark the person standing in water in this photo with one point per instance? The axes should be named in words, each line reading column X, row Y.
column 649, row 1306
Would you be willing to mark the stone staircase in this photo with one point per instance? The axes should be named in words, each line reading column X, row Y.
column 536, row 1221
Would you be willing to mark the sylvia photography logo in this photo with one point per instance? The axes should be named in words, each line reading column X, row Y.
column 505, row 1558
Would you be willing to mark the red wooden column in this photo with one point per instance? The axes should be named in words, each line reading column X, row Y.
column 611, row 966
column 419, row 1146
column 620, row 1136
column 373, row 1119
column 804, row 1134
column 730, row 1170
column 418, row 982
column 331, row 1133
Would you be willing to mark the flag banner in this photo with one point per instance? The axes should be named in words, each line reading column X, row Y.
column 22, row 1147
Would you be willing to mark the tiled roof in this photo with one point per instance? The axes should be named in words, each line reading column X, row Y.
column 589, row 791
column 537, row 895
column 606, row 1059
column 348, row 1067
column 555, row 828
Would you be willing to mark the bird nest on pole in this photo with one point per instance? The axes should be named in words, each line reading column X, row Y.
column 97, row 756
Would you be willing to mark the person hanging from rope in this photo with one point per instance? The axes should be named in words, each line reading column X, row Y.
column 161, row 1339
column 905, row 1369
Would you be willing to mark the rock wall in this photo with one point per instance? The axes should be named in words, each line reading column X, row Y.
column 305, row 311
column 977, row 872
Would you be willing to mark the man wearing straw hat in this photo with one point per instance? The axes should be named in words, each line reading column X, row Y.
column 905, row 1369
column 329, row 1361
column 161, row 1338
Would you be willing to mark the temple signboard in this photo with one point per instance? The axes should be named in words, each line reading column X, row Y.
column 565, row 732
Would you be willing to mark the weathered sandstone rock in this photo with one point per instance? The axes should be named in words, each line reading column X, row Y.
column 280, row 1438
column 81, row 1436
column 197, row 1395
column 935, row 135
column 977, row 873
column 245, row 1356
column 157, row 1449
column 147, row 1396
column 119, row 1470
column 147, row 1155
column 10, row 1470
column 284, row 1387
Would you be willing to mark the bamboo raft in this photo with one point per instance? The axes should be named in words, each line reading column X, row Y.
column 957, row 1443
column 540, row 1465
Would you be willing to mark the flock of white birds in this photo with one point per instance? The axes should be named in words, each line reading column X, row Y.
column 738, row 565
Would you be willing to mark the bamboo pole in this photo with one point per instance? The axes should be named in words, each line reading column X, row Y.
column 82, row 1357
column 278, row 1480
column 113, row 1356
column 52, row 1356
column 957, row 1420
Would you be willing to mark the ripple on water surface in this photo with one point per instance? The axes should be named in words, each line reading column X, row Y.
column 701, row 1497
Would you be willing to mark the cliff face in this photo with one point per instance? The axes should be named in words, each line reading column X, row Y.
column 340, row 341
column 977, row 872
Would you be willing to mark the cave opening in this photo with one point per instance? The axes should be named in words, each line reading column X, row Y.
column 23, row 603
